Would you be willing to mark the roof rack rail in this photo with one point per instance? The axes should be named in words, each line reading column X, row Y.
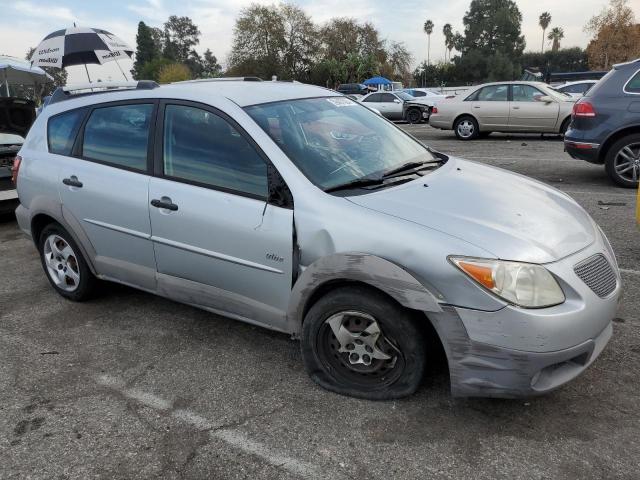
column 81, row 89
column 223, row 79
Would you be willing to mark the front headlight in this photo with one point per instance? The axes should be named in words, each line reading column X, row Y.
column 524, row 284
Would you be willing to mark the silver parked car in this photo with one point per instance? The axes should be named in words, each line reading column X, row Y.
column 297, row 209
column 504, row 107
column 397, row 105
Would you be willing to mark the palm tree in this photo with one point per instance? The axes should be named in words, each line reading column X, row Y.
column 447, row 31
column 544, row 21
column 428, row 29
column 556, row 34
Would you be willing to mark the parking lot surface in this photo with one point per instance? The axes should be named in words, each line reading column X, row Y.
column 130, row 385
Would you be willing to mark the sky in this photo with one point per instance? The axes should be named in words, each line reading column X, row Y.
column 25, row 22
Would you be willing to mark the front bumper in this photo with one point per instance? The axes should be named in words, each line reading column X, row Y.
column 515, row 352
column 480, row 370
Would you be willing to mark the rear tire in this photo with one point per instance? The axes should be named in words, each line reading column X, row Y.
column 565, row 126
column 64, row 264
column 466, row 128
column 357, row 342
column 622, row 161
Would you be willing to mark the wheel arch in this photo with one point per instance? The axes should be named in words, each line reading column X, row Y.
column 337, row 270
column 614, row 137
column 564, row 121
column 41, row 219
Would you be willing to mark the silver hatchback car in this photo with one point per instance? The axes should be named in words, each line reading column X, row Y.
column 295, row 208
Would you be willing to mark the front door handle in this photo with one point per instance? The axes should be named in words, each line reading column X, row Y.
column 72, row 182
column 165, row 203
column 516, row 108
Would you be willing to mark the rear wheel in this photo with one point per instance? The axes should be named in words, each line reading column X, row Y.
column 622, row 162
column 466, row 128
column 414, row 115
column 64, row 264
column 357, row 342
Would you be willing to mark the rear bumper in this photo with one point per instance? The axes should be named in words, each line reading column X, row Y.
column 437, row 122
column 583, row 150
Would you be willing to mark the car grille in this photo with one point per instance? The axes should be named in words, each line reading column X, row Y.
column 597, row 273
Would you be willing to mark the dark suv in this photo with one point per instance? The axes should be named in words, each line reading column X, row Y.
column 605, row 125
column 353, row 89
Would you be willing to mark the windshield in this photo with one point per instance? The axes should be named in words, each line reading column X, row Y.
column 404, row 95
column 334, row 140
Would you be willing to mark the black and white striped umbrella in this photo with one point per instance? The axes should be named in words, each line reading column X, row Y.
column 78, row 46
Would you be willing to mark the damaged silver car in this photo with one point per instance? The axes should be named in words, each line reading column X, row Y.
column 297, row 209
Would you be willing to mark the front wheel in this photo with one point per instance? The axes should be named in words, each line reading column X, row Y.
column 356, row 341
column 414, row 115
column 622, row 162
column 466, row 128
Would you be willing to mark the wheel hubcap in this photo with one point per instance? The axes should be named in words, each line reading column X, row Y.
column 61, row 263
column 361, row 347
column 627, row 162
column 465, row 128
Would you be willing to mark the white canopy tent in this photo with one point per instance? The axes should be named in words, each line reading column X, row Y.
column 14, row 71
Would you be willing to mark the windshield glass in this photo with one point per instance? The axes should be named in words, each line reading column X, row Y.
column 335, row 140
column 404, row 95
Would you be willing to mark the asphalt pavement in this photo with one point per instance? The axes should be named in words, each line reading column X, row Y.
column 130, row 385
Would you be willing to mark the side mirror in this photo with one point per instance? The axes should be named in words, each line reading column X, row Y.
column 395, row 100
column 543, row 98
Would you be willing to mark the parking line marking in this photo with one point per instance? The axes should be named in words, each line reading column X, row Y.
column 233, row 437
column 629, row 271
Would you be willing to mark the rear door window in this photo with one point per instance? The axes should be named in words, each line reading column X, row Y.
column 493, row 93
column 62, row 130
column 118, row 135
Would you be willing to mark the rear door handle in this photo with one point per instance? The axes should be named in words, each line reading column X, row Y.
column 165, row 203
column 72, row 182
column 516, row 108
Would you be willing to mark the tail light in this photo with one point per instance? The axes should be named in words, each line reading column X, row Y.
column 15, row 168
column 434, row 109
column 582, row 108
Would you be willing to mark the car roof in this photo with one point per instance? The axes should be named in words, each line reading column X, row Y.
column 242, row 93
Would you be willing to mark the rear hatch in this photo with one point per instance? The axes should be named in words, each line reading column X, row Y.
column 16, row 117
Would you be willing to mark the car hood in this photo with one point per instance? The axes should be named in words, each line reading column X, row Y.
column 16, row 115
column 508, row 215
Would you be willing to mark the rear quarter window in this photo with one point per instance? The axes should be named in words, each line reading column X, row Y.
column 62, row 130
column 633, row 85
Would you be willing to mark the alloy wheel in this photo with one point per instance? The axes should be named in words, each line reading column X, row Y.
column 466, row 128
column 627, row 162
column 61, row 262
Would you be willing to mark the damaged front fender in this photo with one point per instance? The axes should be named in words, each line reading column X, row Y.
column 360, row 267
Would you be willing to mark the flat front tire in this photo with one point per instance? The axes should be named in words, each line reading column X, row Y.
column 357, row 342
column 64, row 264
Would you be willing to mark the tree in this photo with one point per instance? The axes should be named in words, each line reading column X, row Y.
column 146, row 49
column 300, row 42
column 210, row 66
column 258, row 42
column 174, row 72
column 59, row 76
column 491, row 29
column 428, row 29
column 399, row 61
column 564, row 60
column 556, row 34
column 151, row 69
column 616, row 37
column 544, row 21
column 447, row 31
column 180, row 36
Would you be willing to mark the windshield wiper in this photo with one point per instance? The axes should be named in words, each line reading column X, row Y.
column 357, row 183
column 407, row 167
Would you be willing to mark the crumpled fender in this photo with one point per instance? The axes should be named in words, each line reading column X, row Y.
column 362, row 267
